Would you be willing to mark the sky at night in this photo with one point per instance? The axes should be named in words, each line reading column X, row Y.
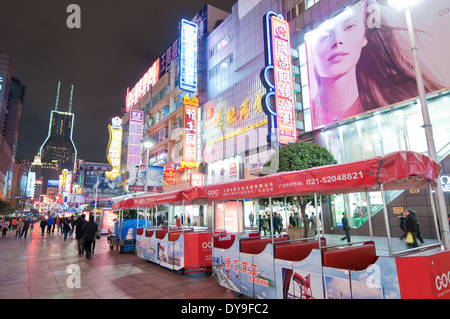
column 118, row 41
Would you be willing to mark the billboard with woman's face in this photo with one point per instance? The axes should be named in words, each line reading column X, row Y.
column 360, row 60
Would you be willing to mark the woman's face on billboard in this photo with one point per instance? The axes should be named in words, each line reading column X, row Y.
column 339, row 41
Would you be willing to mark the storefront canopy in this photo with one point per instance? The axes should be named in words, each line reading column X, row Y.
column 398, row 170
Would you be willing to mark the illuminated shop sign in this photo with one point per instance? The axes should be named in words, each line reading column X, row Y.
column 190, row 107
column 114, row 148
column 134, row 139
column 197, row 180
column 31, row 184
column 65, row 181
column 277, row 77
column 169, row 175
column 143, row 86
column 188, row 56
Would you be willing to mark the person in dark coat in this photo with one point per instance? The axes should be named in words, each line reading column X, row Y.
column 90, row 233
column 66, row 227
column 80, row 225
column 346, row 228
column 411, row 226
column 43, row 225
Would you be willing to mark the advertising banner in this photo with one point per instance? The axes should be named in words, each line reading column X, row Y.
column 134, row 139
column 360, row 60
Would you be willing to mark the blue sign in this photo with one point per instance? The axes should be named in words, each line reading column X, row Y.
column 188, row 56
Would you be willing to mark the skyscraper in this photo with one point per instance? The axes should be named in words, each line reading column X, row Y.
column 58, row 152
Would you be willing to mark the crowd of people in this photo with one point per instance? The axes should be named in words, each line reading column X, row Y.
column 86, row 231
column 267, row 220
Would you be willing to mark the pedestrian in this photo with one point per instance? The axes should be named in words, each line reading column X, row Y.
column 91, row 230
column 43, row 224
column 72, row 225
column 66, row 227
column 346, row 228
column 313, row 223
column 276, row 223
column 265, row 224
column 58, row 224
column 402, row 225
column 26, row 226
column 418, row 234
column 50, row 223
column 5, row 227
column 80, row 225
column 189, row 220
column 411, row 227
column 19, row 226
column 177, row 221
column 251, row 217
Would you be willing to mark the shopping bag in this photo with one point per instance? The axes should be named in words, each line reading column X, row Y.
column 409, row 238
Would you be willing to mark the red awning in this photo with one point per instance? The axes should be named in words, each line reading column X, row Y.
column 398, row 170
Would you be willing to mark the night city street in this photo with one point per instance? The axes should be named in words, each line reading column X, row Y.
column 232, row 155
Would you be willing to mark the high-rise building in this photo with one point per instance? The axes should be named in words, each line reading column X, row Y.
column 6, row 152
column 58, row 152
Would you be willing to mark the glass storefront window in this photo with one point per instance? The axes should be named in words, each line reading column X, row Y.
column 382, row 132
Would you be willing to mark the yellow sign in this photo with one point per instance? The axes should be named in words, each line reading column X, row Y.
column 114, row 148
column 398, row 210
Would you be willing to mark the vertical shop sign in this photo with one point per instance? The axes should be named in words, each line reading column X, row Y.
column 188, row 56
column 190, row 107
column 114, row 148
column 134, row 139
column 277, row 77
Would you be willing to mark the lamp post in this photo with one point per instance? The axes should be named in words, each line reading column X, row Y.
column 405, row 5
column 147, row 143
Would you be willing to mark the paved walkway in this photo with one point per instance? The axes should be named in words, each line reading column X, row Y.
column 37, row 268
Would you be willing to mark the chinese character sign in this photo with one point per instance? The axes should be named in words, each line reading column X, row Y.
column 188, row 56
column 190, row 129
column 284, row 92
column 135, row 136
column 281, row 112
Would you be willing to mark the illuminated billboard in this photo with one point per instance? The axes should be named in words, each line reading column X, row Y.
column 360, row 60
column 114, row 150
column 279, row 101
column 188, row 56
column 143, row 86
column 190, row 129
column 134, row 139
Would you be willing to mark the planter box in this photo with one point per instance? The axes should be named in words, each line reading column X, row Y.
column 297, row 233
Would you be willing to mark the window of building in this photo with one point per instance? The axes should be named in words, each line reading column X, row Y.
column 310, row 3
column 225, row 63
column 305, row 87
column 221, row 44
column 295, row 11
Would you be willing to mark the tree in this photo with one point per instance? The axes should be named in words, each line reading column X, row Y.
column 6, row 208
column 297, row 157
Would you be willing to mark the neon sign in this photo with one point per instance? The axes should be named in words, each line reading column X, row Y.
column 188, row 56
column 190, row 129
column 134, row 139
column 277, row 77
column 143, row 86
column 114, row 148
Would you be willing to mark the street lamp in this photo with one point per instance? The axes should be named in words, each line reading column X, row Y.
column 405, row 5
column 147, row 143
